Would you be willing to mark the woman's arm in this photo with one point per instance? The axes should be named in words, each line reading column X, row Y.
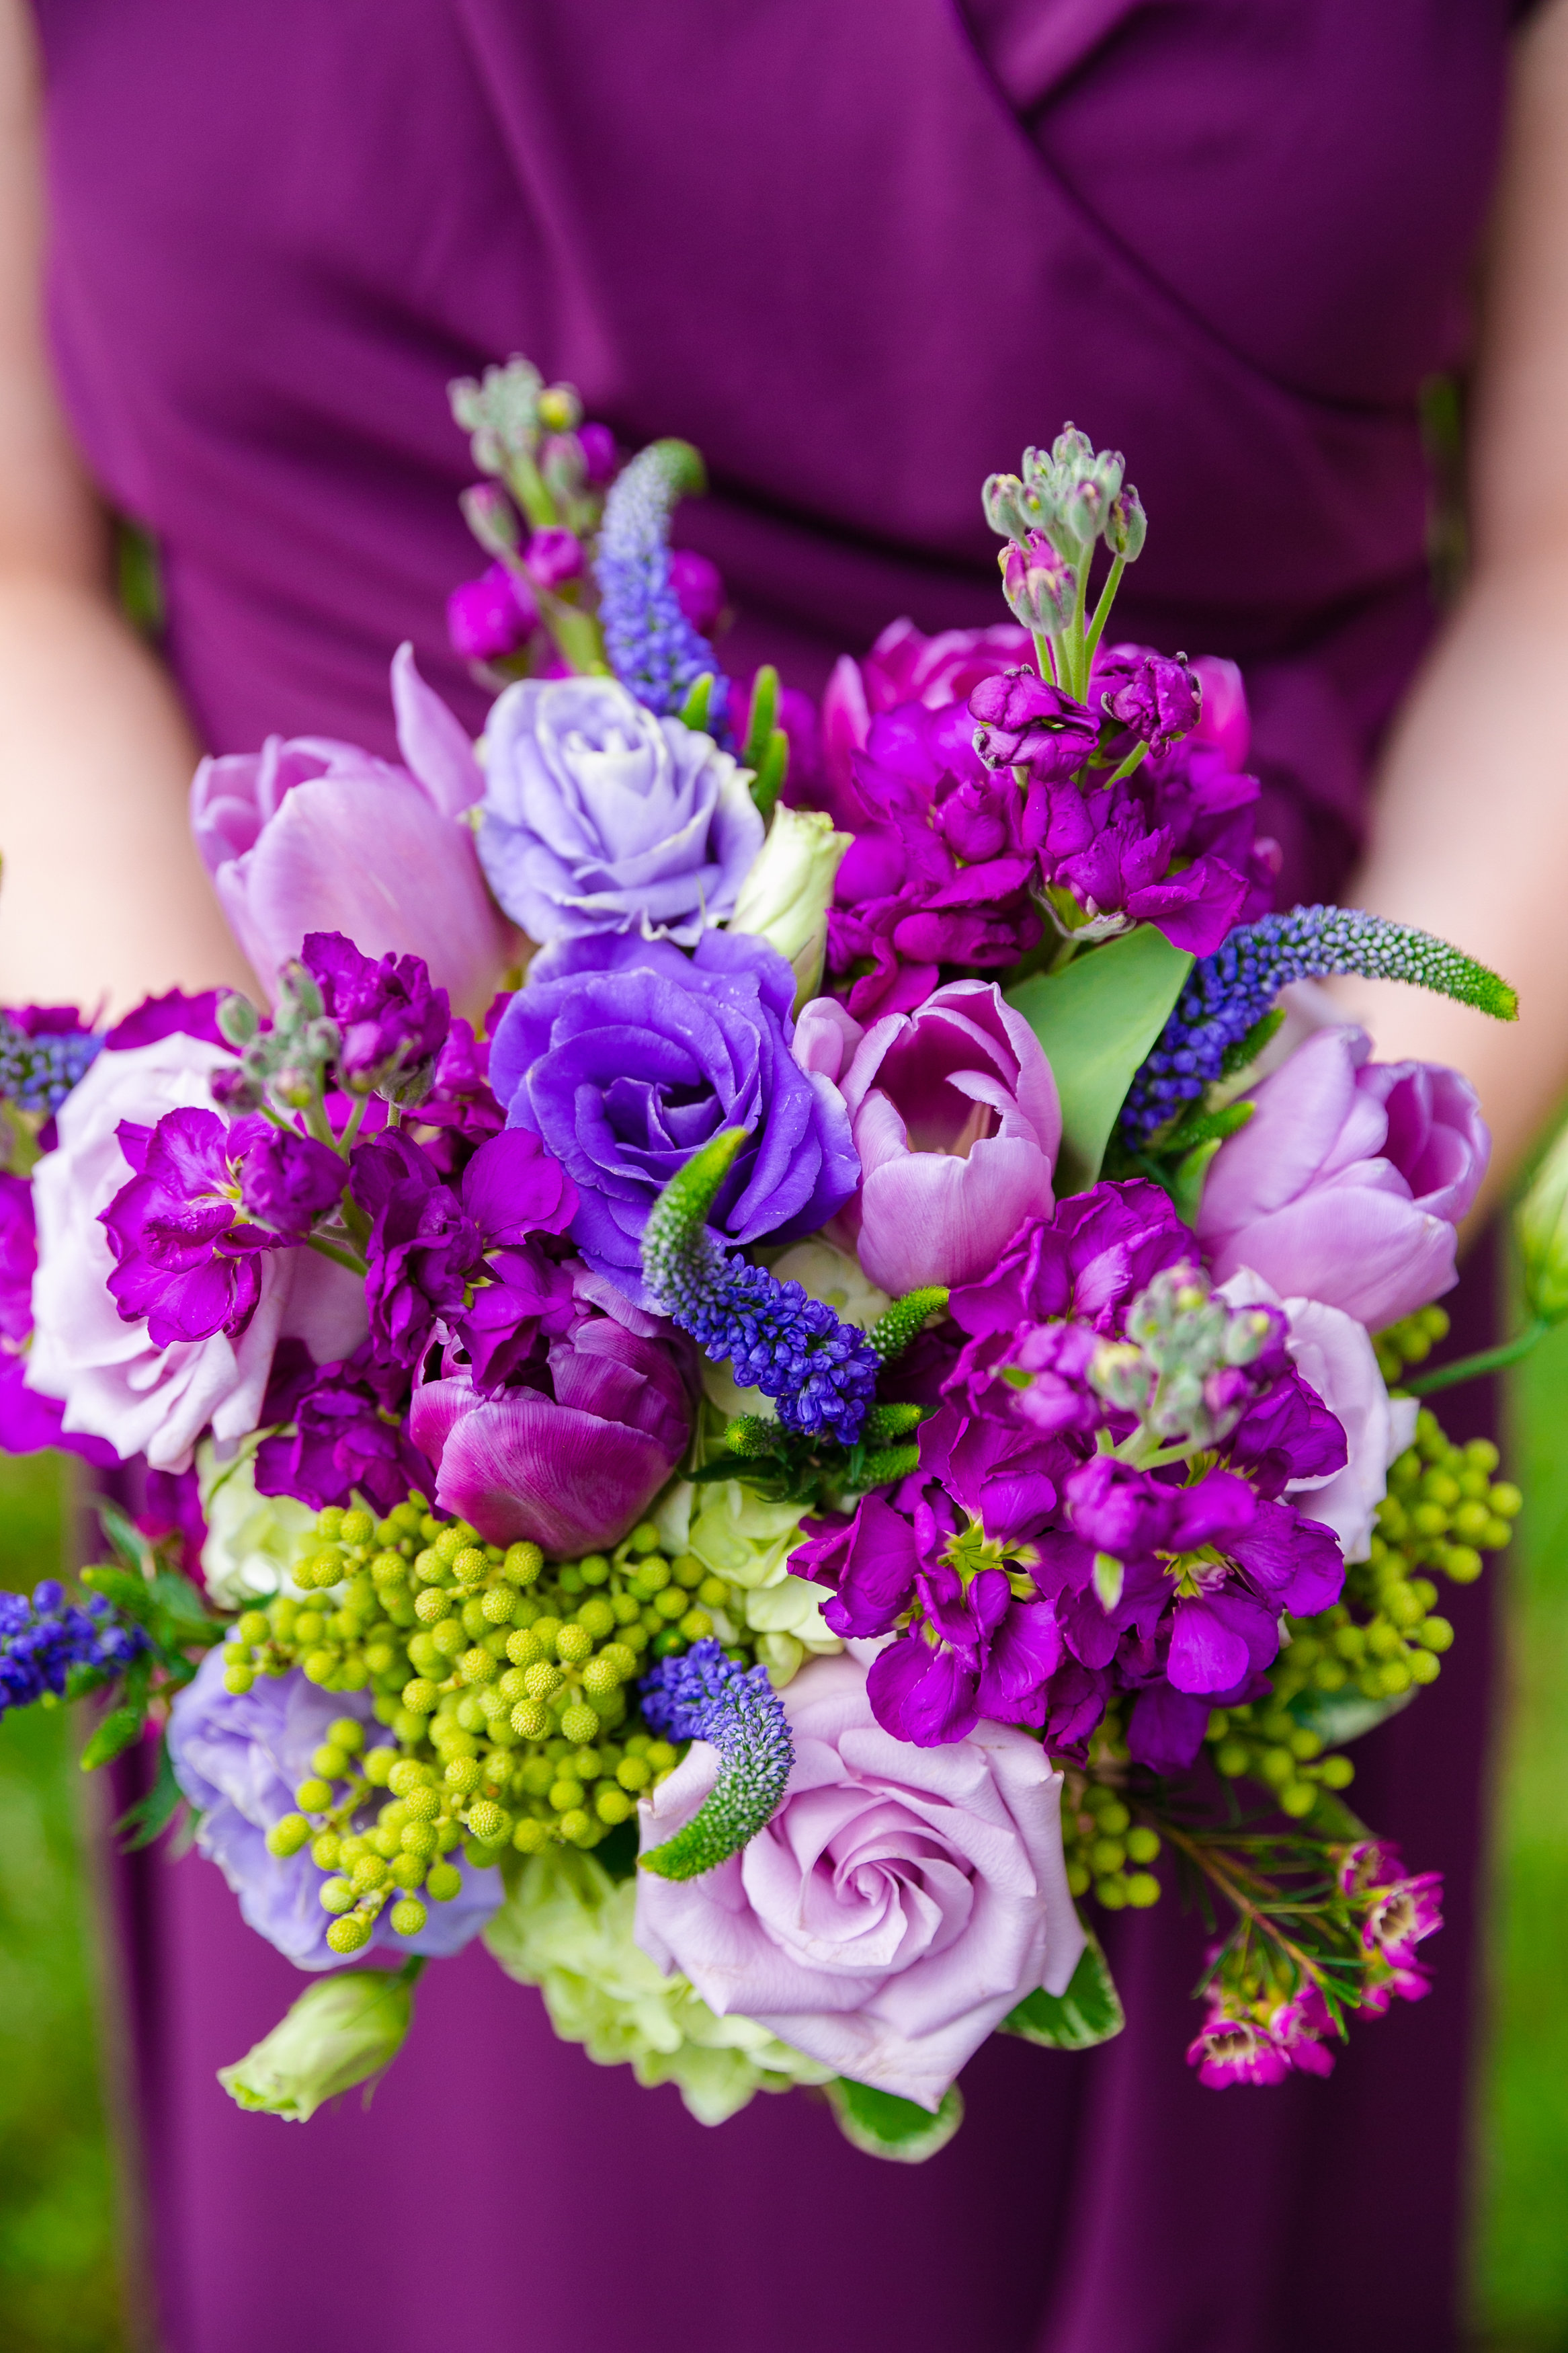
column 103, row 894
column 1471, row 814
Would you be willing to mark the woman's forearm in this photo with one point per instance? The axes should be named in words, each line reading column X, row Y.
column 103, row 895
column 1471, row 840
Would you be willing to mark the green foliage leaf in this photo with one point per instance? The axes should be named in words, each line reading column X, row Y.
column 141, row 1823
column 122, row 1533
column 1096, row 1019
column 1089, row 2012
column 1339, row 1716
column 116, row 1733
column 880, row 2124
column 1187, row 1184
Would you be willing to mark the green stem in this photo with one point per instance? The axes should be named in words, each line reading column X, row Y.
column 527, row 486
column 576, row 634
column 1489, row 1360
column 412, row 1971
column 346, row 1141
column 339, row 1257
column 1078, row 665
column 1135, row 759
column 320, row 1126
column 1102, row 611
column 1046, row 656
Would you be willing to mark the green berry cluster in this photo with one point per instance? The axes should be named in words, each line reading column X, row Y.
column 1264, row 1743
column 501, row 1680
column 1410, row 1342
column 1100, row 1840
column 1384, row 1638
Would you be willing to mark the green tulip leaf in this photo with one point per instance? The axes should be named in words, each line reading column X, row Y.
column 1097, row 1019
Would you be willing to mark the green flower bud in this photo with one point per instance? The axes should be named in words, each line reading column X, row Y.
column 1143, row 1889
column 580, row 1722
column 408, row 1917
column 336, row 1895
column 530, row 1835
column 343, row 2029
column 420, row 1696
column 350, row 1934
column 326, row 1850
column 442, row 1882
column 289, row 1835
column 1541, row 1224
column 314, row 1796
column 786, row 893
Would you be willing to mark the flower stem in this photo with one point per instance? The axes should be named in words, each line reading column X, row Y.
column 1238, row 1897
column 1102, row 611
column 354, row 1264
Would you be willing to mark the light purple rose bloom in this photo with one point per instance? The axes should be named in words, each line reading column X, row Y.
column 239, row 1758
column 899, row 1904
column 313, row 835
column 954, row 1115
column 572, row 1459
column 114, row 1379
column 601, row 817
column 1348, row 1182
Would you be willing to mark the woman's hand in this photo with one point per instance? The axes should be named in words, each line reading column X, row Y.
column 104, row 897
column 1471, row 814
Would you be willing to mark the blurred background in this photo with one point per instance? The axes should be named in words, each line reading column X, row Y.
column 61, row 2282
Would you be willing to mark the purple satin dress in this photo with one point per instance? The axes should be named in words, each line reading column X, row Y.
column 862, row 254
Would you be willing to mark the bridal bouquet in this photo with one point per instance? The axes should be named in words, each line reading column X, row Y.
column 767, row 1380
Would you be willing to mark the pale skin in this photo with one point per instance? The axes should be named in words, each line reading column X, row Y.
column 104, row 897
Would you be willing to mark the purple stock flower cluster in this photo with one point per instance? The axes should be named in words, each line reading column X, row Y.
column 1046, row 1555
column 42, row 1638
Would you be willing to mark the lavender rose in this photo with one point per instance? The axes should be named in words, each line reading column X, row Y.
column 1349, row 1180
column 624, row 1057
column 899, row 1904
column 238, row 1758
column 601, row 817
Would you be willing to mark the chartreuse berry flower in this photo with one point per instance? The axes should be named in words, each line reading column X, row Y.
column 820, row 1373
column 706, row 1696
column 1230, row 993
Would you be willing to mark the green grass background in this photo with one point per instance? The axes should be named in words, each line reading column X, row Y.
column 59, row 2282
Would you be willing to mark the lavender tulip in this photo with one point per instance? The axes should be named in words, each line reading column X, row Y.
column 313, row 835
column 570, row 1465
column 1347, row 1183
column 954, row 1115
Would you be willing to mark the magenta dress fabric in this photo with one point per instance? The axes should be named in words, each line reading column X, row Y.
column 861, row 251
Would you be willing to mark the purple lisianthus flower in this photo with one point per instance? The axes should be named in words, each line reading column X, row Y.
column 392, row 1023
column 491, row 617
column 184, row 1258
column 238, row 1757
column 1348, row 1181
column 288, row 1181
column 346, row 1431
column 315, row 835
column 571, row 1453
column 428, row 1241
column 601, row 817
column 627, row 1057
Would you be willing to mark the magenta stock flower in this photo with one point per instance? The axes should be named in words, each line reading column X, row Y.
column 392, row 1022
column 491, row 617
column 314, row 835
column 954, row 1115
column 569, row 1456
column 907, row 666
column 1347, row 1183
column 1023, row 722
column 184, row 1258
column 345, row 1431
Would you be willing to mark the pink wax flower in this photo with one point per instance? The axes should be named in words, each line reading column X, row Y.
column 899, row 1904
column 313, row 835
column 954, row 1115
column 1348, row 1182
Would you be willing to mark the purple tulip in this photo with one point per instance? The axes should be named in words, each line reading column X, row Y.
column 313, row 835
column 1349, row 1180
column 954, row 1115
column 570, row 1465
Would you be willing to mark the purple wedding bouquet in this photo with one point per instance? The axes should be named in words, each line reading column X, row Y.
column 776, row 1376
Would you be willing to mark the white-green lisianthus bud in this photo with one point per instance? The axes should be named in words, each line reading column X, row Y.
column 787, row 891
column 252, row 1541
column 343, row 2030
column 1540, row 1222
